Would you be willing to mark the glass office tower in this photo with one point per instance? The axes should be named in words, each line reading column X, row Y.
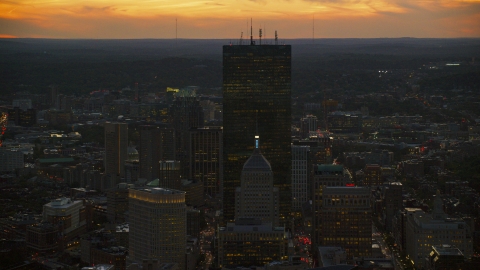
column 256, row 101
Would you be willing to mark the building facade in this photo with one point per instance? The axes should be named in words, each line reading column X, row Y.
column 206, row 158
column 256, row 97
column 157, row 225
column 324, row 175
column 116, row 143
column 248, row 242
column 300, row 176
column 169, row 175
column 346, row 222
column 257, row 197
column 69, row 215
column 424, row 230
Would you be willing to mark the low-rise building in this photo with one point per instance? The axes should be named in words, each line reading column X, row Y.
column 248, row 242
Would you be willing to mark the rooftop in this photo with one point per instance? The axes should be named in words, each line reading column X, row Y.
column 257, row 162
column 56, row 160
column 447, row 250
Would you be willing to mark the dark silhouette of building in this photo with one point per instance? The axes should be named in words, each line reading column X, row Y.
column 206, row 157
column 155, row 144
column 24, row 118
column 185, row 114
column 116, row 143
column 256, row 100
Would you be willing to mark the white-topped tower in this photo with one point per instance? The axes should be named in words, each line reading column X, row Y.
column 257, row 197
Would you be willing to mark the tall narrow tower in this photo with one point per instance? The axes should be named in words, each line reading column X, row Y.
column 256, row 87
column 116, row 143
column 257, row 197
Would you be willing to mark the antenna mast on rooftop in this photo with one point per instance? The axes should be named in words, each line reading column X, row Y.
column 251, row 33
column 241, row 39
column 276, row 38
column 260, row 35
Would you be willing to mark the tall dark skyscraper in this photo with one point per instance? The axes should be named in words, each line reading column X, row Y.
column 185, row 113
column 256, row 100
column 155, row 144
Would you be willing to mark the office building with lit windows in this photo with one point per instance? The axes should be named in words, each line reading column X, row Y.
column 206, row 158
column 257, row 197
column 372, row 175
column 185, row 113
column 346, row 221
column 157, row 225
column 300, row 176
column 324, row 175
column 424, row 230
column 249, row 242
column 68, row 215
column 256, row 100
column 169, row 175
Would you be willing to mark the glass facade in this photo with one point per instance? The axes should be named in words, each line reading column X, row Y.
column 256, row 101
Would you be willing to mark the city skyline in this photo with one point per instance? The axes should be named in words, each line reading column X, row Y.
column 118, row 19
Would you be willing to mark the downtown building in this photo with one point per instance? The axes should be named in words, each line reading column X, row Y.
column 155, row 144
column 206, row 158
column 116, row 144
column 255, row 238
column 424, row 230
column 256, row 100
column 323, row 176
column 257, row 197
column 157, row 225
column 346, row 221
column 185, row 114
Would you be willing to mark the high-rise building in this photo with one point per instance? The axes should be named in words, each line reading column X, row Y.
column 150, row 151
column 256, row 100
column 300, row 176
column 346, row 220
column 117, row 202
column 392, row 202
column 257, row 197
column 185, row 114
column 324, row 175
column 206, row 158
column 157, row 225
column 169, row 175
column 372, row 175
column 116, row 143
column 307, row 124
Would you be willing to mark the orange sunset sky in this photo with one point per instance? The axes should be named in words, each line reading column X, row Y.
column 228, row 18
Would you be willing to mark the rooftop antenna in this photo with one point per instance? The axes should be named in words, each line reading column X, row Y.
column 241, row 38
column 251, row 33
column 260, row 35
column 276, row 38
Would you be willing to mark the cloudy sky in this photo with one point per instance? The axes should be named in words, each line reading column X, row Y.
column 228, row 18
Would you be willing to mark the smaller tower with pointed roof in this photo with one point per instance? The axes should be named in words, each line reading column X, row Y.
column 257, row 197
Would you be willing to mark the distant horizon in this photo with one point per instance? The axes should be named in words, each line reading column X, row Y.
column 213, row 19
column 236, row 39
